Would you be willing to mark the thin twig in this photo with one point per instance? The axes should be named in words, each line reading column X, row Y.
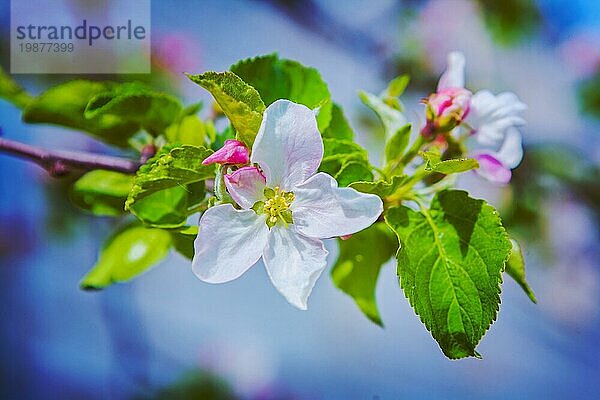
column 60, row 163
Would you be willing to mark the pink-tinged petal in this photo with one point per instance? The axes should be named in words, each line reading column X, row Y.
column 446, row 109
column 288, row 147
column 246, row 186
column 511, row 152
column 232, row 152
column 324, row 210
column 294, row 263
column 454, row 76
column 228, row 243
column 492, row 169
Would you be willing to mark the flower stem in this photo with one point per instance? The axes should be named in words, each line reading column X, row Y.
column 397, row 166
column 413, row 151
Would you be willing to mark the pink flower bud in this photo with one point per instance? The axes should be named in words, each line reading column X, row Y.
column 232, row 152
column 446, row 109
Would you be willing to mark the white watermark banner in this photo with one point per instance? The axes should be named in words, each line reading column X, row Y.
column 80, row 36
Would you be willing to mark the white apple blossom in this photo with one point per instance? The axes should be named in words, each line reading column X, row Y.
column 491, row 121
column 287, row 208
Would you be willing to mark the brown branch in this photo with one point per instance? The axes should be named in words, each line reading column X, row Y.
column 60, row 163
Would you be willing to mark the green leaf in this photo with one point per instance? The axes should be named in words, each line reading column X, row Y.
column 221, row 137
column 276, row 78
column 392, row 119
column 338, row 128
column 450, row 262
column 189, row 129
column 239, row 101
column 346, row 161
column 340, row 149
column 395, row 88
column 515, row 267
column 434, row 163
column 196, row 195
column 396, row 145
column 127, row 254
column 381, row 188
column 398, row 85
column 102, row 192
column 167, row 208
column 13, row 92
column 171, row 167
column 65, row 104
column 151, row 110
column 183, row 241
column 358, row 265
column 163, row 188
column 338, row 152
column 192, row 109
column 353, row 171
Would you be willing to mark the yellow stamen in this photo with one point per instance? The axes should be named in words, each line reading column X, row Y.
column 277, row 206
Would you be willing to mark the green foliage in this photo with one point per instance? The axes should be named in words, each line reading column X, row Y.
column 397, row 86
column 450, row 262
column 381, row 187
column 353, row 171
column 339, row 127
column 434, row 163
column 188, row 129
column 174, row 166
column 12, row 91
column 161, row 194
column 346, row 161
column 393, row 120
column 183, row 241
column 338, row 153
column 102, row 192
column 166, row 208
column 451, row 253
column 515, row 267
column 127, row 254
column 65, row 104
column 276, row 78
column 150, row 110
column 239, row 101
column 360, row 260
column 221, row 137
column 396, row 145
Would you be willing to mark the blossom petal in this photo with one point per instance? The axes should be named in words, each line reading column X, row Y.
column 323, row 210
column 511, row 152
column 454, row 76
column 246, row 186
column 288, row 147
column 492, row 169
column 229, row 242
column 294, row 263
column 491, row 115
column 232, row 152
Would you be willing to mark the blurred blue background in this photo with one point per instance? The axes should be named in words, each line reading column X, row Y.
column 132, row 340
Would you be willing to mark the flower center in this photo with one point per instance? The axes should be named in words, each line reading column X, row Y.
column 276, row 206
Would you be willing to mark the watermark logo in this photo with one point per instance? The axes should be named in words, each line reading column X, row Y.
column 80, row 36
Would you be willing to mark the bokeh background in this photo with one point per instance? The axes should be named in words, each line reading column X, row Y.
column 168, row 335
